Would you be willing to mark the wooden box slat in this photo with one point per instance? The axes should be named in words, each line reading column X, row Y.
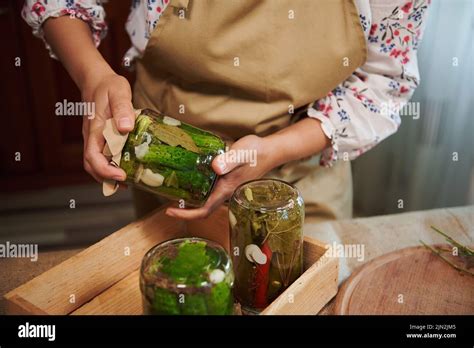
column 123, row 297
column 316, row 286
column 67, row 286
column 103, row 279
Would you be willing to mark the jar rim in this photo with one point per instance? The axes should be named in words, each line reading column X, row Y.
column 284, row 204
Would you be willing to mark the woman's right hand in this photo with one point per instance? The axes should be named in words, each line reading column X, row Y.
column 99, row 84
column 112, row 98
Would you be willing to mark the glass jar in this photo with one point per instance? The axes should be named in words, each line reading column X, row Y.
column 266, row 222
column 170, row 158
column 190, row 276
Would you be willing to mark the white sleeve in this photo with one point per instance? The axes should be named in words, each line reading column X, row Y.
column 365, row 109
column 35, row 13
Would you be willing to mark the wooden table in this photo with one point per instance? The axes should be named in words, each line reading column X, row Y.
column 14, row 272
column 379, row 235
column 383, row 234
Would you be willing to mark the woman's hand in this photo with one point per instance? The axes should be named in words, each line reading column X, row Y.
column 249, row 158
column 260, row 155
column 99, row 84
column 112, row 97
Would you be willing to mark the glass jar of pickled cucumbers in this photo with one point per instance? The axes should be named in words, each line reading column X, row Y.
column 190, row 276
column 266, row 221
column 170, row 158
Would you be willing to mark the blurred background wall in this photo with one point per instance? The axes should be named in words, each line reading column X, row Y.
column 429, row 163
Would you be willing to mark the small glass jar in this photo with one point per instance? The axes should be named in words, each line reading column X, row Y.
column 190, row 276
column 170, row 158
column 266, row 222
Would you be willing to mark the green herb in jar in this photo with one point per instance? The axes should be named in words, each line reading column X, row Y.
column 266, row 222
column 189, row 276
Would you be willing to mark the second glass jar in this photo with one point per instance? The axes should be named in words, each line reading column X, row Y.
column 266, row 221
column 191, row 276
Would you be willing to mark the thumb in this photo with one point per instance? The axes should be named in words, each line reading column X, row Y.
column 230, row 160
column 122, row 110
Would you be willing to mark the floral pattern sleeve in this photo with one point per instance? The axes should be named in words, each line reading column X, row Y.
column 36, row 12
column 365, row 108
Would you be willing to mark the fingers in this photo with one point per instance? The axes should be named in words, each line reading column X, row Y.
column 88, row 169
column 120, row 103
column 112, row 99
column 241, row 152
column 222, row 165
column 85, row 130
column 219, row 195
column 95, row 163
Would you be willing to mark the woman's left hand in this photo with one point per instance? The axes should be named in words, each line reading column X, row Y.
column 251, row 157
column 248, row 158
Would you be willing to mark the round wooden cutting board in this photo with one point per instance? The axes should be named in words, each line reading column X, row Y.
column 406, row 281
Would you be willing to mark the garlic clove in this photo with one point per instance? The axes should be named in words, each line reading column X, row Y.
column 254, row 254
column 170, row 121
column 260, row 258
column 248, row 252
column 141, row 150
column 216, row 276
column 152, row 179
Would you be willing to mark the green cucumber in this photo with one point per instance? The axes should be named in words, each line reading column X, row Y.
column 127, row 162
column 141, row 125
column 172, row 192
column 165, row 302
column 192, row 181
column 220, row 300
column 194, row 304
column 172, row 157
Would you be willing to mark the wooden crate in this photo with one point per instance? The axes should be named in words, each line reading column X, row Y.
column 103, row 279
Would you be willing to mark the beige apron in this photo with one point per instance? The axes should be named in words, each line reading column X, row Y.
column 239, row 67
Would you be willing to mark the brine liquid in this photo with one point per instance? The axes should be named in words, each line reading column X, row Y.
column 266, row 223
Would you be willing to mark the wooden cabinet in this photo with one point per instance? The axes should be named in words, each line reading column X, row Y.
column 39, row 149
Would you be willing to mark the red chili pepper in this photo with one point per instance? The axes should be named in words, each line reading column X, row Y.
column 261, row 278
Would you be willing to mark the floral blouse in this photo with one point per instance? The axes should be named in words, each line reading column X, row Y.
column 359, row 113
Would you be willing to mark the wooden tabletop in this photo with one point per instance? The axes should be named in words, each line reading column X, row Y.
column 16, row 271
column 379, row 235
column 383, row 234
